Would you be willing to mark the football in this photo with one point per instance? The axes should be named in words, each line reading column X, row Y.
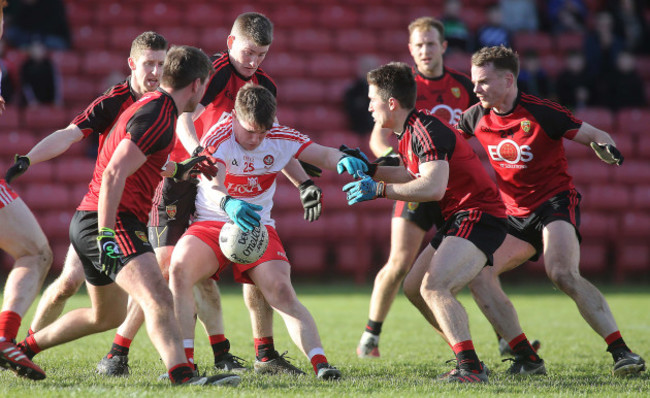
column 243, row 247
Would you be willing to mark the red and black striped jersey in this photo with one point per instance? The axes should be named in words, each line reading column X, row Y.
column 446, row 96
column 100, row 116
column 427, row 138
column 220, row 95
column 525, row 149
column 150, row 124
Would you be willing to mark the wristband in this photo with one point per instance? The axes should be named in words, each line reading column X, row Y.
column 223, row 202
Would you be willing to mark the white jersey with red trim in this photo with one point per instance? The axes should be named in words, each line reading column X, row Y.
column 250, row 175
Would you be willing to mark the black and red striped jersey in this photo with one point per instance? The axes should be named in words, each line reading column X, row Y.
column 446, row 96
column 150, row 124
column 427, row 138
column 525, row 149
column 220, row 95
column 100, row 116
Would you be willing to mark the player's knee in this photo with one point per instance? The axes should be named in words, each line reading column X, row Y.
column 282, row 295
column 412, row 290
column 563, row 278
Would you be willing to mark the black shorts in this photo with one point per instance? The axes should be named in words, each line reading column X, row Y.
column 484, row 230
column 131, row 238
column 173, row 206
column 563, row 206
column 424, row 214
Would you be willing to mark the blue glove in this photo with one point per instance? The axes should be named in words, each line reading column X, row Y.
column 352, row 165
column 109, row 252
column 243, row 214
column 364, row 189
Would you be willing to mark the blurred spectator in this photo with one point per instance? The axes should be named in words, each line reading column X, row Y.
column 626, row 87
column 493, row 33
column 573, row 84
column 602, row 46
column 532, row 78
column 3, row 102
column 456, row 31
column 356, row 99
column 39, row 78
column 630, row 24
column 6, row 81
column 44, row 21
column 566, row 15
column 520, row 14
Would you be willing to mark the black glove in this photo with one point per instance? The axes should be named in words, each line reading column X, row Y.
column 310, row 169
column 109, row 252
column 357, row 153
column 189, row 169
column 390, row 160
column 311, row 198
column 607, row 153
column 21, row 163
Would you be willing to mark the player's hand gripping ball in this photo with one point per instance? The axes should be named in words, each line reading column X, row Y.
column 243, row 247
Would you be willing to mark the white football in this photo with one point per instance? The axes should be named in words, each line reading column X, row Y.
column 243, row 247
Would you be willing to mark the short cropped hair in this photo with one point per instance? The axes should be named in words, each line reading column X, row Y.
column 147, row 41
column 256, row 105
column 183, row 65
column 501, row 57
column 254, row 26
column 425, row 24
column 395, row 80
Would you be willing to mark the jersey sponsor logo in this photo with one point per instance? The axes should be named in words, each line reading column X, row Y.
column 246, row 186
column 455, row 91
column 142, row 236
column 510, row 152
column 171, row 211
column 525, row 126
column 447, row 113
column 234, row 162
column 268, row 160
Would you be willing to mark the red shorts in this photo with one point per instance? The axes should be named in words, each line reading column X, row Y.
column 7, row 195
column 208, row 232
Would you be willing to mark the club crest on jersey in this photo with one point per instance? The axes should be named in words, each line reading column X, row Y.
column 171, row 211
column 525, row 125
column 268, row 160
column 142, row 236
column 413, row 205
column 455, row 91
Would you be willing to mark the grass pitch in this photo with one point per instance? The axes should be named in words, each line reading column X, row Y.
column 412, row 354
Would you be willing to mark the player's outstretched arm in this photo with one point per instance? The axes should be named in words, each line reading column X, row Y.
column 334, row 159
column 601, row 142
column 186, row 131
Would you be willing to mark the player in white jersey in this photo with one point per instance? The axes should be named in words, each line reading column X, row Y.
column 249, row 152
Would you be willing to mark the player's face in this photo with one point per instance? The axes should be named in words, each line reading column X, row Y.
column 247, row 134
column 147, row 70
column 245, row 55
column 379, row 109
column 490, row 85
column 427, row 48
column 197, row 96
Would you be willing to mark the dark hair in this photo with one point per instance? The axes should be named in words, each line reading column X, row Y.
column 395, row 80
column 501, row 57
column 256, row 105
column 147, row 41
column 254, row 26
column 183, row 65
column 427, row 23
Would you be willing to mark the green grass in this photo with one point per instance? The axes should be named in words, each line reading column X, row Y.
column 412, row 354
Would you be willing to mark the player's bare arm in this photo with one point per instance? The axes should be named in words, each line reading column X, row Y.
column 380, row 141
column 430, row 186
column 126, row 160
column 186, row 131
column 295, row 172
column 601, row 142
column 55, row 144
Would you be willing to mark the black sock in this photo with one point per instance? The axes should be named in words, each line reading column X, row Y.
column 220, row 349
column 180, row 374
column 117, row 349
column 468, row 360
column 374, row 327
column 266, row 351
column 524, row 349
column 618, row 348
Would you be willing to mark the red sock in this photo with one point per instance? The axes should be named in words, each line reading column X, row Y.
column 263, row 347
column 217, row 338
column 613, row 337
column 9, row 324
column 189, row 353
column 466, row 345
column 31, row 344
column 316, row 359
column 517, row 340
column 180, row 373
